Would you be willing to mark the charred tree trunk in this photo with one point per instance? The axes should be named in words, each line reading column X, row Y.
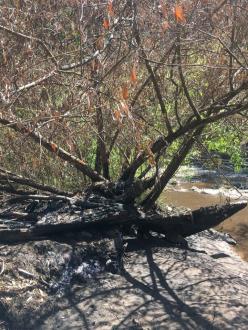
column 99, row 216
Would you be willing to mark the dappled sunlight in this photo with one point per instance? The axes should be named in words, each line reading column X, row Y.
column 159, row 287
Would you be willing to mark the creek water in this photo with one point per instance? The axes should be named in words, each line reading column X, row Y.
column 198, row 194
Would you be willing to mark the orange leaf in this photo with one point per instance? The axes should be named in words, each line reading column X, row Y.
column 106, row 24
column 165, row 25
column 110, row 8
column 179, row 14
column 125, row 109
column 117, row 115
column 124, row 92
column 133, row 75
column 54, row 147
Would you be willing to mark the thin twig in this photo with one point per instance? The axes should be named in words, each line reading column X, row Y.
column 24, row 36
column 54, row 148
column 15, row 178
column 185, row 88
column 224, row 45
column 3, row 266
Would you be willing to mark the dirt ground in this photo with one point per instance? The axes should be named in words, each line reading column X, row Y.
column 52, row 285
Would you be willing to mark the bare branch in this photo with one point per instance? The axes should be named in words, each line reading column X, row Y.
column 155, row 69
column 171, row 168
column 14, row 178
column 24, row 36
column 36, row 82
column 163, row 141
column 186, row 92
column 151, row 73
column 79, row 164
column 224, row 46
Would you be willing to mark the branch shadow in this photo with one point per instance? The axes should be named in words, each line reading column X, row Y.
column 147, row 294
column 173, row 307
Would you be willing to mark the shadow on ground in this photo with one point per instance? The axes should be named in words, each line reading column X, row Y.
column 160, row 288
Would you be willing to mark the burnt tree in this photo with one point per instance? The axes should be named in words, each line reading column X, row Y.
column 110, row 89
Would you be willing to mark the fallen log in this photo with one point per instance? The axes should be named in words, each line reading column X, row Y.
column 193, row 222
column 122, row 217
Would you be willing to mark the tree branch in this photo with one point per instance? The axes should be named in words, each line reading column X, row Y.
column 171, row 169
column 164, row 141
column 151, row 73
column 24, row 36
column 185, row 89
column 14, row 178
column 79, row 164
column 145, row 83
column 224, row 45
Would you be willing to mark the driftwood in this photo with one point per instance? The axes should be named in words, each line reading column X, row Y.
column 99, row 216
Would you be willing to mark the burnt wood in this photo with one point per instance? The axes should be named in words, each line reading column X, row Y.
column 111, row 216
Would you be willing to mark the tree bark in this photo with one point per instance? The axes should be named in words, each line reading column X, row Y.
column 111, row 216
column 171, row 168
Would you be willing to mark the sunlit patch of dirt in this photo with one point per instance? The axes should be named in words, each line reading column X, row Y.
column 203, row 287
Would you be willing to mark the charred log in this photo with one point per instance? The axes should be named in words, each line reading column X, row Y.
column 100, row 217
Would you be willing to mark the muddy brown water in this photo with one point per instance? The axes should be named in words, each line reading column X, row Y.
column 236, row 226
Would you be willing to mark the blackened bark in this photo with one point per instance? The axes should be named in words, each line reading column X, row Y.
column 108, row 216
